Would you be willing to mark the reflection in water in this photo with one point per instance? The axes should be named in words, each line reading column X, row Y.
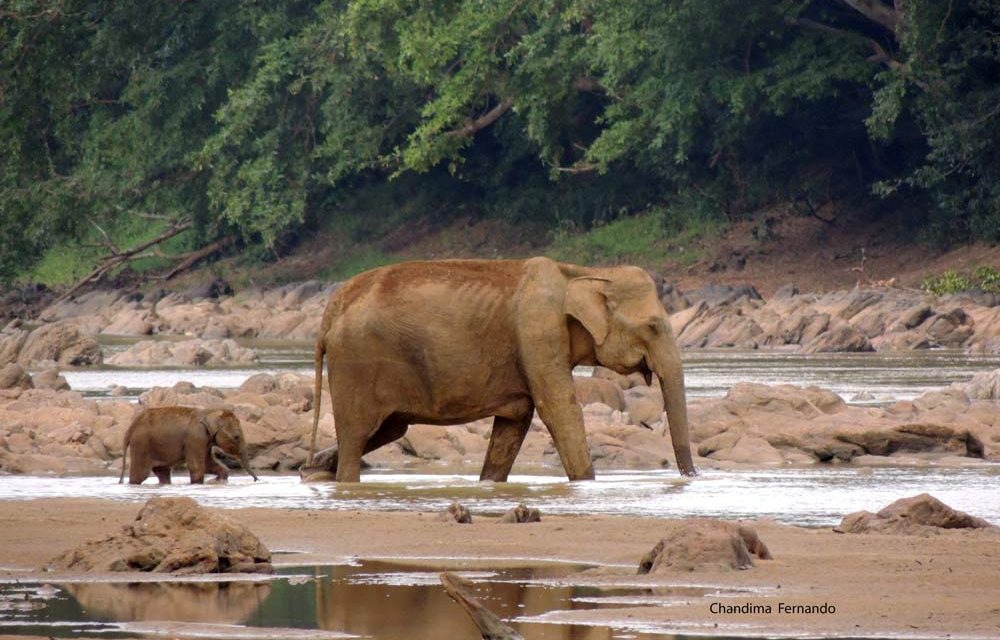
column 345, row 599
column 225, row 602
column 380, row 600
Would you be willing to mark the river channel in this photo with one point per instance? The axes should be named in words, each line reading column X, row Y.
column 338, row 601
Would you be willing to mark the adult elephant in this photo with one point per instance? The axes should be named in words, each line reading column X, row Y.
column 451, row 341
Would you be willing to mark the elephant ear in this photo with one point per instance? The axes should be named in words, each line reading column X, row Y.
column 586, row 301
column 211, row 426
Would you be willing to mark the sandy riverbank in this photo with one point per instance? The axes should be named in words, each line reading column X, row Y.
column 880, row 585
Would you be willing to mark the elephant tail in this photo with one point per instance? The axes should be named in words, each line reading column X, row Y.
column 317, row 396
column 125, row 443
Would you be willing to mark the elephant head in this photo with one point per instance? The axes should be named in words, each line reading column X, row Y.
column 630, row 331
column 227, row 434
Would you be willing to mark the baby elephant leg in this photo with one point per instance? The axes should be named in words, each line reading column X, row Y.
column 213, row 466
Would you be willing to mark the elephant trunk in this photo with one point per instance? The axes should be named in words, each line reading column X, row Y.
column 667, row 367
column 245, row 461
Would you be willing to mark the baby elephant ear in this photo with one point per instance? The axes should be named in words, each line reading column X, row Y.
column 586, row 301
column 211, row 425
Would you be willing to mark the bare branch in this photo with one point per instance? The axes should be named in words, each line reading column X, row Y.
column 579, row 167
column 876, row 11
column 880, row 55
column 472, row 126
column 124, row 257
column 107, row 239
column 188, row 260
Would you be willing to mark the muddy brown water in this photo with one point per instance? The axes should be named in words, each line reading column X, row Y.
column 379, row 600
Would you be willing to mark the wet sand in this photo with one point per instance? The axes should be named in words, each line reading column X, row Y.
column 880, row 585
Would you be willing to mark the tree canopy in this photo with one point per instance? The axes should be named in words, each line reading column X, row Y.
column 248, row 120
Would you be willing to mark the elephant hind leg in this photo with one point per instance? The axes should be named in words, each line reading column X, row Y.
column 505, row 442
column 138, row 468
column 392, row 428
column 162, row 474
column 353, row 443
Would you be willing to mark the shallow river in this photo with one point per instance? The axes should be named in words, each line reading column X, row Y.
column 810, row 496
column 707, row 373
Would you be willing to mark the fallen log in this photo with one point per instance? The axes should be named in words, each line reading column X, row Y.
column 490, row 626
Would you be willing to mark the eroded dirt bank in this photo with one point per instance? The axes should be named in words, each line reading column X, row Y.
column 881, row 585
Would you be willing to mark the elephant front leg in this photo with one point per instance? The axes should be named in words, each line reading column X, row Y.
column 505, row 442
column 196, row 466
column 565, row 423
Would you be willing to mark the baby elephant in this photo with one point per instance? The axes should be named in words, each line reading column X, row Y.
column 161, row 437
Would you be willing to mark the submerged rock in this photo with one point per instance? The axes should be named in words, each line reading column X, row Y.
column 702, row 543
column 521, row 513
column 172, row 535
column 921, row 514
column 456, row 512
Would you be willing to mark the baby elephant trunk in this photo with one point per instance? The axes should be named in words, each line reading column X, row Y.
column 245, row 461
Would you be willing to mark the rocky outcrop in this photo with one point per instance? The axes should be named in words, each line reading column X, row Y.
column 717, row 315
column 187, row 353
column 700, row 544
column 13, row 376
column 882, row 319
column 49, row 431
column 599, row 390
column 64, row 343
column 50, row 379
column 172, row 535
column 923, row 514
column 290, row 312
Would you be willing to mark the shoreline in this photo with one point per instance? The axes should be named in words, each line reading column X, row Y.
column 880, row 585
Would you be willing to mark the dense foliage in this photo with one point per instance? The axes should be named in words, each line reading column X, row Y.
column 251, row 120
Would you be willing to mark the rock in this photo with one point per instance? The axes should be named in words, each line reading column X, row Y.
column 644, row 405
column 211, row 353
column 623, row 382
column 951, row 329
column 62, row 342
column 680, row 320
column 717, row 295
column 599, row 390
column 748, row 449
column 786, row 291
column 132, row 320
column 842, row 338
column 902, row 341
column 13, row 376
column 921, row 514
column 172, row 535
column 985, row 385
column 456, row 513
column 519, row 514
column 702, row 543
column 11, row 342
column 913, row 317
column 50, row 379
column 117, row 391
